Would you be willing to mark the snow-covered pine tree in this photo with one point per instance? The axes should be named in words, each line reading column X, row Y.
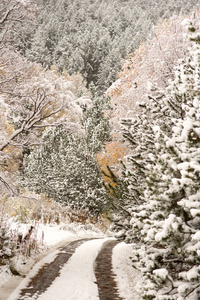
column 139, row 132
column 65, row 169
column 169, row 219
column 160, row 109
column 95, row 123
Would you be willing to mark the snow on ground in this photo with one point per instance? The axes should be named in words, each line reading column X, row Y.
column 79, row 269
column 48, row 259
column 51, row 234
column 5, row 275
column 77, row 276
column 129, row 280
column 49, row 237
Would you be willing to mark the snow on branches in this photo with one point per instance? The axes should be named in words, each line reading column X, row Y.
column 14, row 15
column 163, row 176
column 31, row 99
column 149, row 66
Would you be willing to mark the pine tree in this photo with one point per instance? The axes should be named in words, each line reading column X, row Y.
column 169, row 218
column 65, row 169
column 139, row 132
column 159, row 111
column 96, row 124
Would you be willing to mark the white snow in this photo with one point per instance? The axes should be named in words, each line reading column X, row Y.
column 193, row 273
column 183, row 287
column 196, row 236
column 48, row 259
column 50, row 235
column 170, row 224
column 5, row 274
column 186, row 22
column 162, row 273
column 195, row 212
column 129, row 280
column 188, row 125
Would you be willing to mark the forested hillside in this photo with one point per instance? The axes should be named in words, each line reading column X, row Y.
column 91, row 37
column 99, row 123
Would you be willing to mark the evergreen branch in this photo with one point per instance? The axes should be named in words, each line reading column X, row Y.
column 172, row 286
column 192, row 290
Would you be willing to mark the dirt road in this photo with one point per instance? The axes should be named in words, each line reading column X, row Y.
column 81, row 270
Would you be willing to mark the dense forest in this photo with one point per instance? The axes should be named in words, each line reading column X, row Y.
column 92, row 37
column 100, row 119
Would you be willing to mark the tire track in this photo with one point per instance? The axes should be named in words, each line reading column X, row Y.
column 107, row 286
column 47, row 274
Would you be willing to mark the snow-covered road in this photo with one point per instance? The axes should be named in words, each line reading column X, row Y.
column 70, row 273
column 77, row 279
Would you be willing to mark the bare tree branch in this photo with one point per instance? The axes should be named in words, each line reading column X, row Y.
column 8, row 186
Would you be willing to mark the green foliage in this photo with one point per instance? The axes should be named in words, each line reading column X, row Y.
column 65, row 169
column 96, row 125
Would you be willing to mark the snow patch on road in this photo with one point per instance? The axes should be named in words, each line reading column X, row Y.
column 129, row 280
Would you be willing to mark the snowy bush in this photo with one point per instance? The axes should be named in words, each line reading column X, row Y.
column 7, row 245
